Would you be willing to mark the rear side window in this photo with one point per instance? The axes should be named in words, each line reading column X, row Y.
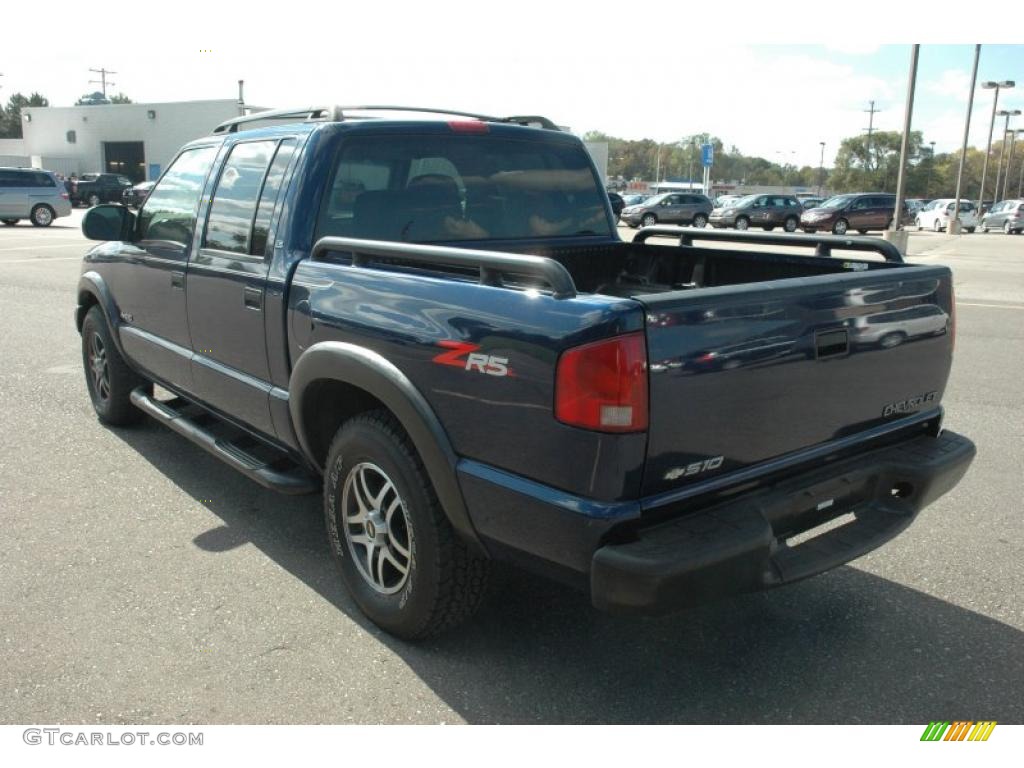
column 229, row 226
column 437, row 188
column 42, row 180
column 170, row 211
column 269, row 195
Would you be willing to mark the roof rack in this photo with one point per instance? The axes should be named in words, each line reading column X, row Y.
column 337, row 114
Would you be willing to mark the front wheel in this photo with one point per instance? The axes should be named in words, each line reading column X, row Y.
column 840, row 227
column 1007, row 229
column 742, row 223
column 400, row 558
column 936, row 226
column 649, row 220
column 42, row 216
column 791, row 224
column 107, row 375
column 700, row 221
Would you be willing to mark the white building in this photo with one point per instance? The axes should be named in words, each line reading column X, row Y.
column 136, row 140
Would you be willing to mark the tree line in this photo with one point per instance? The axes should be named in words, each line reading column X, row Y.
column 10, row 115
column 859, row 165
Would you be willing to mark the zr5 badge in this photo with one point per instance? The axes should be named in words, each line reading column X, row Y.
column 464, row 355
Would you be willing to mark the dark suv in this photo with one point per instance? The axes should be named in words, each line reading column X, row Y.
column 765, row 211
column 95, row 188
column 862, row 211
column 670, row 208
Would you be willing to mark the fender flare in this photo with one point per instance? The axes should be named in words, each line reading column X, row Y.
column 373, row 373
column 94, row 284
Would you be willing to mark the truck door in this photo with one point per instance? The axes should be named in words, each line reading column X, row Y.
column 226, row 282
column 150, row 283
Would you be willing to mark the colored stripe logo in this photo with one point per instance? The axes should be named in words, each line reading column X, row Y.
column 958, row 730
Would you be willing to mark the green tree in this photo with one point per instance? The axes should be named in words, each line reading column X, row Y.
column 10, row 116
column 874, row 167
column 120, row 98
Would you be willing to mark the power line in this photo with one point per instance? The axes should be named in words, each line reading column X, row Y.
column 870, row 129
column 103, row 78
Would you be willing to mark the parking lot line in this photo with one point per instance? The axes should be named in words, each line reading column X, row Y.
column 993, row 306
column 38, row 261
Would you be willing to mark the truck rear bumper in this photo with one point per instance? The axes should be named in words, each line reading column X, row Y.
column 760, row 540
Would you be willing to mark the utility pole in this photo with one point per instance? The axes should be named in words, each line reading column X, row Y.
column 953, row 227
column 103, row 78
column 821, row 168
column 1007, row 113
column 905, row 144
column 870, row 129
column 1009, row 160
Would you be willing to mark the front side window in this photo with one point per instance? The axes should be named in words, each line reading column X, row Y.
column 233, row 207
column 170, row 211
column 437, row 188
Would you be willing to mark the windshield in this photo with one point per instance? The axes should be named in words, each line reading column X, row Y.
column 836, row 202
column 656, row 199
column 743, row 201
column 437, row 188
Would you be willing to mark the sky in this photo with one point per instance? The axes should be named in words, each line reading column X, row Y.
column 585, row 66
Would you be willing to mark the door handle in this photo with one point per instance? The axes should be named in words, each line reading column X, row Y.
column 177, row 280
column 253, row 298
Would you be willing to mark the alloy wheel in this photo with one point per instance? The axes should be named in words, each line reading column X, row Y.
column 98, row 368
column 42, row 216
column 377, row 529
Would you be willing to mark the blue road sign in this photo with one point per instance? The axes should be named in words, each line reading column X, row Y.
column 707, row 154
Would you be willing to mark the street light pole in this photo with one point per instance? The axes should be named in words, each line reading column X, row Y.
column 1007, row 113
column 931, row 171
column 1009, row 160
column 953, row 227
column 988, row 85
column 821, row 168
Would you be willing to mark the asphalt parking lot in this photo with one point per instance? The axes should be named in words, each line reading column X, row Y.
column 145, row 582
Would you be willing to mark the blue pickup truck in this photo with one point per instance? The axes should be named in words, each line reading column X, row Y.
column 432, row 319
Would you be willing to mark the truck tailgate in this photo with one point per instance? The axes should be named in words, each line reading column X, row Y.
column 742, row 374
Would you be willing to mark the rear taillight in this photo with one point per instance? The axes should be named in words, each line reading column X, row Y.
column 468, row 126
column 603, row 386
column 64, row 195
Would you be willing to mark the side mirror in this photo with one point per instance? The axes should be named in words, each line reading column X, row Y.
column 108, row 222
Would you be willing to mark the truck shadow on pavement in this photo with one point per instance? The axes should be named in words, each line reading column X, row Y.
column 846, row 647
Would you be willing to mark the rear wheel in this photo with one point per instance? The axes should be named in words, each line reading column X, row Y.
column 400, row 558
column 700, row 221
column 862, row 231
column 1007, row 229
column 93, row 199
column 107, row 375
column 42, row 216
column 649, row 220
column 791, row 224
column 937, row 226
column 9, row 222
column 742, row 223
column 891, row 340
column 840, row 227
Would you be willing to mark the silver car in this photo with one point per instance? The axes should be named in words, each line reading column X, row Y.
column 29, row 193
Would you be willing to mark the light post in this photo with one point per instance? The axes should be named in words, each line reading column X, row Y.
column 989, row 85
column 1007, row 113
column 931, row 171
column 895, row 226
column 821, row 168
column 1009, row 162
column 953, row 227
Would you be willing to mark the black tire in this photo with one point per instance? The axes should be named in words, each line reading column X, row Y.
column 840, row 227
column 9, row 222
column 109, row 379
column 810, row 231
column 92, row 200
column 791, row 224
column 767, row 227
column 42, row 216
column 444, row 582
column 862, row 231
column 742, row 223
column 969, row 230
column 700, row 221
column 649, row 220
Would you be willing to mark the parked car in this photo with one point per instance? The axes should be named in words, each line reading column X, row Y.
column 33, row 194
column 916, row 204
column 1007, row 216
column 891, row 328
column 937, row 213
column 670, row 208
column 860, row 211
column 364, row 319
column 95, row 188
column 764, row 211
column 135, row 196
column 617, row 204
column 811, row 202
column 724, row 201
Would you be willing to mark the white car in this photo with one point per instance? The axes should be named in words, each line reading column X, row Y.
column 936, row 215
